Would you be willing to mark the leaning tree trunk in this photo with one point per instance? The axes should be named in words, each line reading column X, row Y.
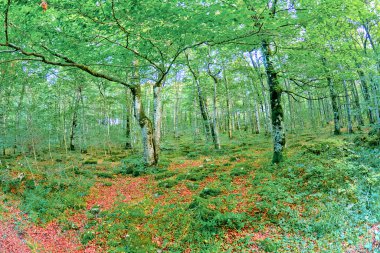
column 146, row 126
column 276, row 107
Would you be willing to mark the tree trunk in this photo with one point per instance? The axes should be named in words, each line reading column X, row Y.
column 377, row 108
column 83, row 147
column 265, row 105
column 214, row 126
column 366, row 94
column 257, row 117
column 348, row 108
column 291, row 113
column 128, row 142
column 228, row 104
column 311, row 109
column 276, row 107
column 334, row 101
column 19, row 108
column 359, row 116
column 202, row 105
column 157, row 116
column 74, row 118
column 176, row 111
column 146, row 126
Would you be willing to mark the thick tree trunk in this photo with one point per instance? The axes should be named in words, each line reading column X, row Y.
column 348, row 108
column 146, row 127
column 276, row 107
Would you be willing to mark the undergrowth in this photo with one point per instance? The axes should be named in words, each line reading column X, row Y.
column 323, row 198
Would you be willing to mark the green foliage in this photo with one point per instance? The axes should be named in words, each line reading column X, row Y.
column 165, row 174
column 104, row 174
column 193, row 155
column 209, row 221
column 87, row 237
column 169, row 183
column 49, row 200
column 239, row 171
column 133, row 165
column 269, row 245
column 209, row 192
column 317, row 194
column 197, row 174
column 90, row 161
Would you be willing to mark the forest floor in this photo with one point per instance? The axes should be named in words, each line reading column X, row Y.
column 323, row 198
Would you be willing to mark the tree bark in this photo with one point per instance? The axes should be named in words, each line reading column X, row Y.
column 228, row 104
column 265, row 104
column 359, row 116
column 276, row 107
column 176, row 111
column 128, row 142
column 157, row 116
column 214, row 126
column 348, row 108
column 146, row 127
column 366, row 94
column 291, row 113
column 333, row 97
column 75, row 118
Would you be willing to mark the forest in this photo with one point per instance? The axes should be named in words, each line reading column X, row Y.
column 189, row 126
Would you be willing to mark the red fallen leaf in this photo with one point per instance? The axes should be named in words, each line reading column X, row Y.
column 10, row 240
